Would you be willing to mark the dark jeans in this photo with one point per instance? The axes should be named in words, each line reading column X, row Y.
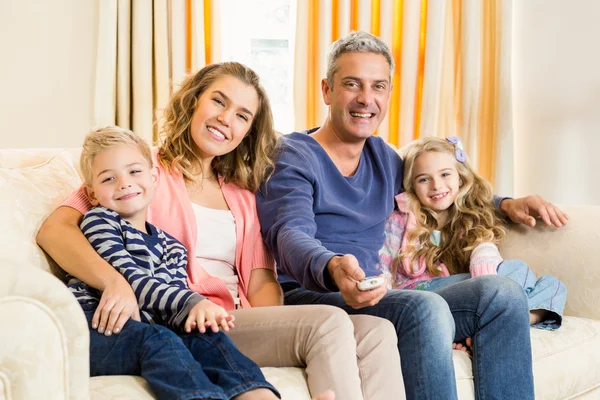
column 492, row 310
column 186, row 366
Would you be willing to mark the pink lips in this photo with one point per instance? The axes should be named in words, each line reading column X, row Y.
column 128, row 196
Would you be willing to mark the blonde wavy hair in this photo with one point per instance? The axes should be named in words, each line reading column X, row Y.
column 249, row 163
column 472, row 218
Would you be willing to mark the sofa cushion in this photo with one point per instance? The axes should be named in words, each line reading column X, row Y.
column 27, row 196
column 291, row 383
column 566, row 362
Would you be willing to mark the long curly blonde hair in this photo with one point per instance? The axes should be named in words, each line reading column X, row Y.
column 472, row 218
column 249, row 163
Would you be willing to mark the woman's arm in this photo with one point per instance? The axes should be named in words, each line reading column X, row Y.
column 62, row 239
column 263, row 289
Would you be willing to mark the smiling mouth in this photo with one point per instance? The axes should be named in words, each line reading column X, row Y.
column 439, row 196
column 216, row 132
column 362, row 115
column 128, row 196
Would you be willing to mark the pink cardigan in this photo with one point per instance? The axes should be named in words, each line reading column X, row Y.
column 171, row 211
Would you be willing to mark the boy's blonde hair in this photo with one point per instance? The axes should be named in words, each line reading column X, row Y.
column 472, row 218
column 102, row 139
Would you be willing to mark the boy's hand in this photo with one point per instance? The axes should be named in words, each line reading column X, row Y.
column 208, row 314
column 117, row 304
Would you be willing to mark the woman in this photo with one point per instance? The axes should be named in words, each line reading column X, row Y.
column 217, row 146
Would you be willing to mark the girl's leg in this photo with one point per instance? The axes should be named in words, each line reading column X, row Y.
column 441, row 282
column 227, row 367
column 156, row 354
column 493, row 311
column 318, row 338
column 545, row 294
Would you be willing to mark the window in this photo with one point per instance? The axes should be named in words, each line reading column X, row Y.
column 260, row 34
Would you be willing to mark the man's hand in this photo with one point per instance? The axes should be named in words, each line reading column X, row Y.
column 208, row 314
column 117, row 304
column 346, row 273
column 526, row 209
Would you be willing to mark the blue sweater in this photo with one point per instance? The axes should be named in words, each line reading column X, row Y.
column 310, row 212
column 154, row 265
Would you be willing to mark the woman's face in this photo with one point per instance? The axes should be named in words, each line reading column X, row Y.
column 223, row 116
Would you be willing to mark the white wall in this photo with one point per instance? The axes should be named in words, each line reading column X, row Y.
column 556, row 72
column 48, row 53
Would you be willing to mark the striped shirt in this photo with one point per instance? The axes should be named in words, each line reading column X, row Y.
column 153, row 263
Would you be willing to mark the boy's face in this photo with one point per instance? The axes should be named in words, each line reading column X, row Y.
column 123, row 181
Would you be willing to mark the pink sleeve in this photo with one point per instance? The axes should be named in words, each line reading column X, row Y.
column 78, row 200
column 485, row 259
column 262, row 257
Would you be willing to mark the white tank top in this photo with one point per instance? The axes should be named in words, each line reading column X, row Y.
column 216, row 245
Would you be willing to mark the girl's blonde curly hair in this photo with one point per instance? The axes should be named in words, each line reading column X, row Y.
column 472, row 218
column 248, row 164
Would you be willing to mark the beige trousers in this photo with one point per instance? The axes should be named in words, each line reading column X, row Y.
column 355, row 356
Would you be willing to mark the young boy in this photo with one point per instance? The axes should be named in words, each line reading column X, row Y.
column 177, row 363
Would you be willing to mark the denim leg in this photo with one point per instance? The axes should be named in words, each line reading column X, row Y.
column 224, row 364
column 425, row 331
column 493, row 311
column 154, row 353
column 546, row 293
column 440, row 282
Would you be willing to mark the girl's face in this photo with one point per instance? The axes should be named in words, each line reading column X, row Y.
column 223, row 116
column 436, row 180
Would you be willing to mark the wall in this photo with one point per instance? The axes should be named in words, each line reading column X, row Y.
column 47, row 71
column 556, row 72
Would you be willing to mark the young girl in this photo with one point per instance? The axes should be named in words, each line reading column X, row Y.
column 216, row 147
column 446, row 229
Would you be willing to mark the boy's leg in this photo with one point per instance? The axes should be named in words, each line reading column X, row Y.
column 224, row 364
column 546, row 293
column 156, row 354
column 317, row 338
column 492, row 310
column 424, row 328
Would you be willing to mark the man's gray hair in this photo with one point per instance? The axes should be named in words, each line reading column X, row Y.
column 356, row 42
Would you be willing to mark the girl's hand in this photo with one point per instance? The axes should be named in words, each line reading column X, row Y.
column 208, row 314
column 117, row 304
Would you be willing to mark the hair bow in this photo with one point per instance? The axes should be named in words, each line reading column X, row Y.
column 459, row 152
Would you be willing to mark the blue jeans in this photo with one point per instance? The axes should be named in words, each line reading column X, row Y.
column 490, row 309
column 546, row 293
column 188, row 366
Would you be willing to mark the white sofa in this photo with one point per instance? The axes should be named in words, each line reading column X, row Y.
column 44, row 338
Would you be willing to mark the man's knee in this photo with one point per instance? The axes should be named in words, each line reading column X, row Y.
column 425, row 309
column 502, row 292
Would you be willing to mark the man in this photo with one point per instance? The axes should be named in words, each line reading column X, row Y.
column 323, row 213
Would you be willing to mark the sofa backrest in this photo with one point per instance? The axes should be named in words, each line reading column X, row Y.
column 33, row 182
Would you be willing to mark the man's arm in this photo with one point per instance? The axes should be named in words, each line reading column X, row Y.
column 285, row 209
column 525, row 210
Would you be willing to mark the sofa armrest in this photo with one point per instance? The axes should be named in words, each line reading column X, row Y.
column 44, row 336
column 570, row 253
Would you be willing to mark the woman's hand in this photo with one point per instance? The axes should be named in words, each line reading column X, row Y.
column 117, row 304
column 208, row 314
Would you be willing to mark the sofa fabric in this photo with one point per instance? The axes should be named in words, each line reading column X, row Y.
column 44, row 339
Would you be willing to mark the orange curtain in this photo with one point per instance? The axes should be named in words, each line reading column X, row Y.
column 448, row 78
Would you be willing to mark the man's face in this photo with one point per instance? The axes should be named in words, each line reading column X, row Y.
column 360, row 94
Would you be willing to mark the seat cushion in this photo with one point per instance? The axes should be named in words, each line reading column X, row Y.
column 566, row 362
column 291, row 383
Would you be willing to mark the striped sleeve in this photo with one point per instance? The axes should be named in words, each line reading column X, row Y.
column 162, row 298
